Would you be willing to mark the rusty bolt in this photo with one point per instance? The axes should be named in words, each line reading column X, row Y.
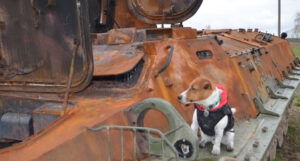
column 168, row 83
column 150, row 89
column 247, row 157
column 255, row 144
column 264, row 129
column 150, row 86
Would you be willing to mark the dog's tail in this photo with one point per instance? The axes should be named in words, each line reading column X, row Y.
column 233, row 110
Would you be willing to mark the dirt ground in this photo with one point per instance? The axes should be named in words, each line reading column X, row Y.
column 291, row 148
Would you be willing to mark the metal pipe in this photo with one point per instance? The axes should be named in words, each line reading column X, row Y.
column 109, row 144
column 279, row 17
column 71, row 74
column 122, row 145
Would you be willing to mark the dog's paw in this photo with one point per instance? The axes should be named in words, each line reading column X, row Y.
column 216, row 151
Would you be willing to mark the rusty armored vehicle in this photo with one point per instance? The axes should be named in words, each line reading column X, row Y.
column 87, row 80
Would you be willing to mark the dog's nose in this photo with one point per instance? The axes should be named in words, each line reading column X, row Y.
column 179, row 97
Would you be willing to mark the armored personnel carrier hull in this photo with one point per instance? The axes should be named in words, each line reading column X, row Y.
column 76, row 89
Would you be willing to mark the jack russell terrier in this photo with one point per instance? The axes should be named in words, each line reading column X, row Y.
column 212, row 116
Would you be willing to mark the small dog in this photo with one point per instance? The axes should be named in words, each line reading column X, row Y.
column 212, row 116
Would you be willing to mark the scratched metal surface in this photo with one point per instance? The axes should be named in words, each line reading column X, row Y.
column 234, row 63
column 37, row 43
column 105, row 106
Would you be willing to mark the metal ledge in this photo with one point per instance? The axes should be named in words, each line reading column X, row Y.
column 255, row 136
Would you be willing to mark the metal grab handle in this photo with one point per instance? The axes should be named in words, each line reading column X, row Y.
column 165, row 66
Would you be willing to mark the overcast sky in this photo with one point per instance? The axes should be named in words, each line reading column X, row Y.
column 235, row 14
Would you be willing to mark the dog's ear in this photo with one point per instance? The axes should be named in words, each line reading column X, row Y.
column 207, row 85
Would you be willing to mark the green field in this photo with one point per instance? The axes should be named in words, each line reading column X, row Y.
column 290, row 150
column 296, row 49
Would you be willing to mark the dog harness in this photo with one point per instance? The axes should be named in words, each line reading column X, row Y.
column 208, row 123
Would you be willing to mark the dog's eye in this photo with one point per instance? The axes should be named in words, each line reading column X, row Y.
column 193, row 88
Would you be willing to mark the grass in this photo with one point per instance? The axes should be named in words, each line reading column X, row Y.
column 297, row 100
column 296, row 50
column 291, row 145
column 293, row 141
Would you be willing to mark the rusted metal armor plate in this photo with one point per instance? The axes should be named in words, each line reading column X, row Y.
column 132, row 65
column 114, row 61
column 37, row 45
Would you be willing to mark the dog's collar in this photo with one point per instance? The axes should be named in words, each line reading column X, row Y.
column 214, row 104
column 222, row 100
column 209, row 107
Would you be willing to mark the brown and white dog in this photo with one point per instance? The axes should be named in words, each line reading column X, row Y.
column 212, row 116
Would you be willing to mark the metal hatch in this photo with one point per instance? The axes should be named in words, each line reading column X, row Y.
column 39, row 40
column 163, row 11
